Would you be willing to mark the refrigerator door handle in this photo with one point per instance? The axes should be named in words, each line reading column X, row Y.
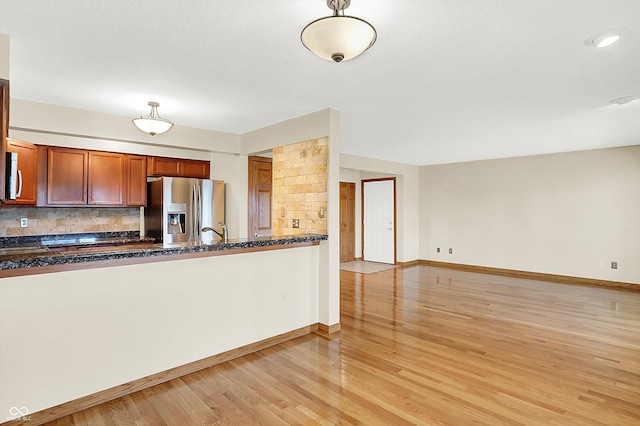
column 199, row 212
column 197, row 208
column 194, row 214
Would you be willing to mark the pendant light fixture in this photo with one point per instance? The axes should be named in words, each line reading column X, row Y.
column 338, row 37
column 153, row 124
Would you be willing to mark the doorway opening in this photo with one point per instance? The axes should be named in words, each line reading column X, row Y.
column 260, row 196
column 379, row 220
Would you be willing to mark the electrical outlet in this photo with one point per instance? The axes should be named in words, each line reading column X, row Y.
column 438, row 250
column 614, row 265
column 450, row 251
column 24, row 222
column 296, row 223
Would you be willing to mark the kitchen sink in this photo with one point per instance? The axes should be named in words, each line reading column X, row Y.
column 8, row 251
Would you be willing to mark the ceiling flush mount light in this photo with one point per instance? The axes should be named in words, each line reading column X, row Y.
column 606, row 38
column 153, row 124
column 338, row 37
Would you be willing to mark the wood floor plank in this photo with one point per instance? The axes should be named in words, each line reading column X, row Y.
column 424, row 345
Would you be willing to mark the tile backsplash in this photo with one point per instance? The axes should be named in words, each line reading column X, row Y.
column 62, row 220
column 300, row 187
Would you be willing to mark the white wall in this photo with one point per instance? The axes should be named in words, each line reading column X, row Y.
column 233, row 169
column 557, row 213
column 407, row 194
column 325, row 123
column 4, row 56
column 46, row 118
column 70, row 334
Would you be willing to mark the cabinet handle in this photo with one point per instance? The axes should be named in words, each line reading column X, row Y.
column 19, row 184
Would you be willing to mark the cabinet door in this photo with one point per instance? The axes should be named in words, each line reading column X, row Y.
column 106, row 178
column 160, row 166
column 67, row 176
column 136, row 180
column 27, row 172
column 196, row 169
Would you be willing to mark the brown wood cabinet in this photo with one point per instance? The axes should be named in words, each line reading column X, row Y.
column 196, row 169
column 27, row 172
column 105, row 178
column 177, row 167
column 77, row 177
column 136, row 180
column 67, row 171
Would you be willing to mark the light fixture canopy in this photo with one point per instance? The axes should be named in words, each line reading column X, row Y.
column 338, row 37
column 153, row 124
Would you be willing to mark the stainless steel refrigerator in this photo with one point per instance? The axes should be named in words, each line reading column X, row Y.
column 178, row 208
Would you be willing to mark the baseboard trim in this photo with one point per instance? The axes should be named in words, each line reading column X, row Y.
column 328, row 330
column 565, row 279
column 407, row 264
column 67, row 408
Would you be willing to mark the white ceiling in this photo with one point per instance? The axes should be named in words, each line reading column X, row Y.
column 446, row 81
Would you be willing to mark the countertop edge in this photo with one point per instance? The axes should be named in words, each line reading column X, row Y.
column 58, row 261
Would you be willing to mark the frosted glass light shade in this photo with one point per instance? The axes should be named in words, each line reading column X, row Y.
column 153, row 124
column 338, row 38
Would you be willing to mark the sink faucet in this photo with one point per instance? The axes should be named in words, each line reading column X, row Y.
column 223, row 234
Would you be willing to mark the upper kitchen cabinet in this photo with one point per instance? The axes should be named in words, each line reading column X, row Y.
column 160, row 166
column 105, row 178
column 136, row 180
column 196, row 169
column 176, row 167
column 26, row 184
column 67, row 171
column 77, row 177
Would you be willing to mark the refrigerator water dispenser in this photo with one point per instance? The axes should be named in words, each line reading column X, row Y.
column 176, row 218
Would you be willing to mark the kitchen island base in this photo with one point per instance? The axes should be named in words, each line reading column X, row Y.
column 73, row 335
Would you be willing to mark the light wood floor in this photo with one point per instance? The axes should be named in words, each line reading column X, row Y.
column 423, row 345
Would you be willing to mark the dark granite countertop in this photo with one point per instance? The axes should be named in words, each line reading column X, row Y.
column 81, row 248
column 65, row 240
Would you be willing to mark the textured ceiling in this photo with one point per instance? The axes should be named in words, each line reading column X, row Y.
column 446, row 81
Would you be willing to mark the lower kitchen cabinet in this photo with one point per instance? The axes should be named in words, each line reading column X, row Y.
column 27, row 172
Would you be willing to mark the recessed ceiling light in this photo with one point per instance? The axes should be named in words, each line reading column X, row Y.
column 606, row 38
column 625, row 100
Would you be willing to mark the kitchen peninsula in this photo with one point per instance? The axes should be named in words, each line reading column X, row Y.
column 68, row 252
column 89, row 331
column 80, row 336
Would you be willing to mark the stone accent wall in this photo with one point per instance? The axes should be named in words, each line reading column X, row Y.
column 300, row 187
column 61, row 220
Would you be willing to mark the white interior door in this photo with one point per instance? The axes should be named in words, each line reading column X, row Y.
column 379, row 221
